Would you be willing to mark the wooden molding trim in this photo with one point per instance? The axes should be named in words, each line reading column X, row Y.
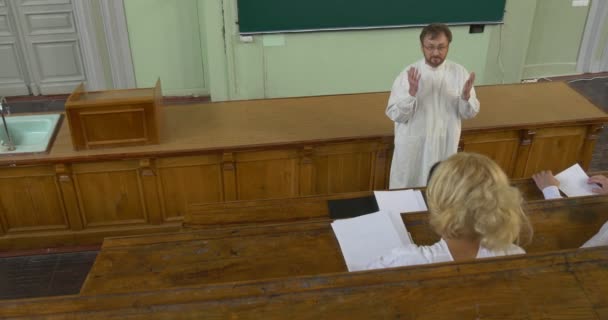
column 526, row 137
column 522, row 155
column 229, row 176
column 593, row 133
column 70, row 198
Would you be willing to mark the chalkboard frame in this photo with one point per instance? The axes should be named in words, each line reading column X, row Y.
column 274, row 16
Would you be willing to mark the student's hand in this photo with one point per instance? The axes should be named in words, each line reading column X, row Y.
column 468, row 85
column 545, row 179
column 602, row 181
column 413, row 77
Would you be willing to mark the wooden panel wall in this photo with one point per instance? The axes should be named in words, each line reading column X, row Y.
column 555, row 149
column 344, row 167
column 265, row 174
column 30, row 201
column 499, row 146
column 185, row 180
column 110, row 195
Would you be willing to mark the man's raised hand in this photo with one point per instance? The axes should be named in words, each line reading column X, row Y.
column 468, row 86
column 413, row 77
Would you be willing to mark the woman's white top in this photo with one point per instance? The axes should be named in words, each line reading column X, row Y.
column 438, row 252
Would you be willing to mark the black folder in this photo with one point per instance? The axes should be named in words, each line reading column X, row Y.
column 350, row 208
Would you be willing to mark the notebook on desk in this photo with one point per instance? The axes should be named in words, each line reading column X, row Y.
column 350, row 208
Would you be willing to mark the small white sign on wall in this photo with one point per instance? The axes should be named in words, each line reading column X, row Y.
column 580, row 3
column 273, row 40
column 247, row 39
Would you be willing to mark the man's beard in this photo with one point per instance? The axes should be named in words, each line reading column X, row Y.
column 434, row 61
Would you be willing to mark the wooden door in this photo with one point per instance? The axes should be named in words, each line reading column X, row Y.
column 50, row 43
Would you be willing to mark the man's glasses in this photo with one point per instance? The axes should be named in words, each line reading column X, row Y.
column 433, row 48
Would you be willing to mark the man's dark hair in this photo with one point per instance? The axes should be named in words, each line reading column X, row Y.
column 434, row 30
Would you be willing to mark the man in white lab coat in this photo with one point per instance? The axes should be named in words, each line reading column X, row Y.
column 428, row 100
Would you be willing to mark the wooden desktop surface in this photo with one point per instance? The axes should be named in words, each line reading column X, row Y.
column 570, row 284
column 276, row 122
column 278, row 250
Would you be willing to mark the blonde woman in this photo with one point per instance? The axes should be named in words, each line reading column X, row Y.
column 474, row 209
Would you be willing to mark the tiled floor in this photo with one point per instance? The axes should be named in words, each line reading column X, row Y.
column 597, row 91
column 64, row 273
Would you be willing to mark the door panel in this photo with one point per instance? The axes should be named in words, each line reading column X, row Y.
column 188, row 180
column 58, row 61
column 110, row 193
column 499, row 146
column 13, row 74
column 43, row 2
column 266, row 174
column 50, row 23
column 30, row 200
column 51, row 43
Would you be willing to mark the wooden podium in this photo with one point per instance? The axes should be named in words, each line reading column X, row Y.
column 114, row 118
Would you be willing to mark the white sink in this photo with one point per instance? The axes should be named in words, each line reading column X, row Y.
column 30, row 134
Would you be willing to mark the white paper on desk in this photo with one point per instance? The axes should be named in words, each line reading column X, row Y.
column 365, row 238
column 573, row 182
column 399, row 226
column 400, row 201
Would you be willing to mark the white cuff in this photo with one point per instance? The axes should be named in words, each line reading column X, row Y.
column 551, row 192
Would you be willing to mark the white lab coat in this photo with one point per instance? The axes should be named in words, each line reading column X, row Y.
column 439, row 252
column 427, row 127
column 599, row 239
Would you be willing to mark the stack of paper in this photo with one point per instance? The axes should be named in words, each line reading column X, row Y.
column 573, row 182
column 400, row 201
column 365, row 238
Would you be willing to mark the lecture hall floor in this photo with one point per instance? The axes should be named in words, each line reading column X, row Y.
column 62, row 271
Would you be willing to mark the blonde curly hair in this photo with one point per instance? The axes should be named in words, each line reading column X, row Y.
column 469, row 197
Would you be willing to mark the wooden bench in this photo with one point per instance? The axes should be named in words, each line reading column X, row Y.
column 294, row 209
column 293, row 249
column 570, row 284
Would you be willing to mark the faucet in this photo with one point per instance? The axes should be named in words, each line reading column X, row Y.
column 4, row 106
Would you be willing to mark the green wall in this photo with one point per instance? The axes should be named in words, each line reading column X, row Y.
column 194, row 46
column 509, row 43
column 557, row 32
column 357, row 61
column 165, row 42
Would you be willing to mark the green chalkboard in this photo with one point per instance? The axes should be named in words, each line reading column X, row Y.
column 268, row 16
